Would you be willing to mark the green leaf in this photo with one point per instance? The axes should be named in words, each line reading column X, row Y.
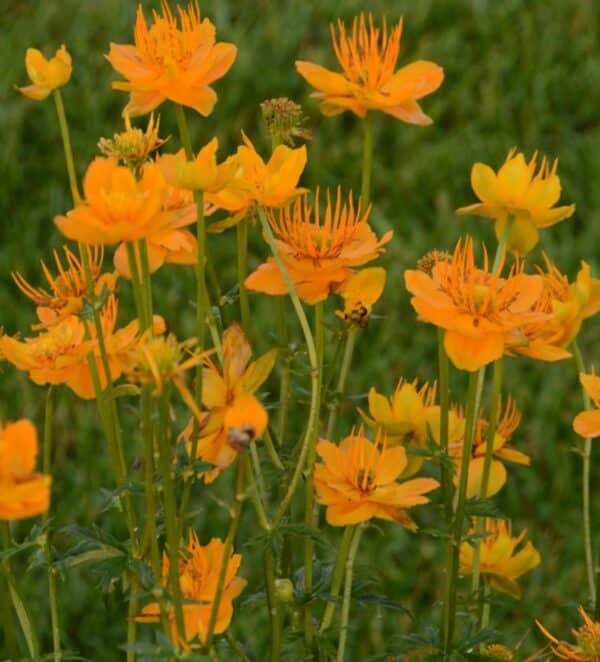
column 24, row 617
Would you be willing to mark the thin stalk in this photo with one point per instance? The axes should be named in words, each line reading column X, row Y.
column 52, row 589
column 309, row 490
column 348, row 592
column 233, row 527
column 500, row 249
column 254, row 494
column 269, row 570
column 8, row 618
column 336, row 580
column 342, row 380
column 165, row 461
column 66, row 140
column 146, row 286
column 242, row 267
column 284, row 392
column 367, row 161
column 136, row 282
column 133, row 610
column 459, row 515
column 184, row 133
column 486, row 606
column 444, row 386
column 257, row 471
column 586, row 470
column 272, row 451
column 313, row 415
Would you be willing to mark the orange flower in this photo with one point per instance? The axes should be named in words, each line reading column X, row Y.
column 234, row 416
column 270, row 184
column 68, row 289
column 60, row 354
column 357, row 481
column 318, row 254
column 117, row 207
column 23, row 492
column 587, row 423
column 360, row 292
column 199, row 569
column 497, row 558
column 518, row 195
column 368, row 58
column 175, row 60
column 478, row 309
column 507, row 423
column 587, row 648
column 46, row 75
column 565, row 306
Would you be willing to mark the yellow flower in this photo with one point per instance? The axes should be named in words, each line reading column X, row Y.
column 357, row 481
column 133, row 146
column 368, row 58
column 234, row 417
column 519, row 196
column 199, row 569
column 68, row 289
column 46, row 75
column 359, row 292
column 587, row 423
column 23, row 492
column 587, row 648
column 173, row 59
column 270, row 184
column 497, row 558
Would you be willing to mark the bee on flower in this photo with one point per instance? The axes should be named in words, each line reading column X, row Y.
column 199, row 569
column 176, row 58
column 23, row 492
column 46, row 75
column 360, row 292
column 368, row 81
column 587, row 638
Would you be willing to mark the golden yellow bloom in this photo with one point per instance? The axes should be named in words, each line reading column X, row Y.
column 270, row 184
column 201, row 174
column 497, row 558
column 117, row 207
column 133, row 146
column 46, row 75
column 68, row 289
column 587, row 423
column 587, row 648
column 368, row 58
column 478, row 309
column 359, row 292
column 234, row 417
column 319, row 254
column 59, row 355
column 519, row 196
column 357, row 481
column 23, row 492
column 199, row 569
column 565, row 306
column 172, row 59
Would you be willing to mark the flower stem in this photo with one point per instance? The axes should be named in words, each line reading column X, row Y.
column 269, row 568
column 233, row 527
column 165, row 461
column 314, row 370
column 348, row 591
column 444, row 386
column 340, row 388
column 8, row 618
column 336, row 580
column 284, row 392
column 184, row 133
column 367, row 161
column 319, row 333
column 459, row 515
column 587, row 455
column 242, row 266
column 64, row 132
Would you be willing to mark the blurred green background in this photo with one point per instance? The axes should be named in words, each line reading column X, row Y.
column 522, row 73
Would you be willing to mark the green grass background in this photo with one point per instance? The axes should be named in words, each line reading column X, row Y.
column 517, row 73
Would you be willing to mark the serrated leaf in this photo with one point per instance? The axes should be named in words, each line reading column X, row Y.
column 92, row 556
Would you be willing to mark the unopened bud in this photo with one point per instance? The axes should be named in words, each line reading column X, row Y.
column 284, row 590
column 284, row 120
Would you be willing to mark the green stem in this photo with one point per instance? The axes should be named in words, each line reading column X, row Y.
column 254, row 494
column 314, row 370
column 272, row 451
column 166, row 464
column 133, row 610
column 8, row 618
column 340, row 389
column 284, row 392
column 269, row 569
column 348, row 591
column 184, row 133
column 242, row 265
column 319, row 333
column 444, row 386
column 336, row 580
column 500, row 249
column 146, row 285
column 136, row 283
column 459, row 515
column 587, row 455
column 233, row 527
column 47, row 469
column 64, row 132
column 367, row 161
